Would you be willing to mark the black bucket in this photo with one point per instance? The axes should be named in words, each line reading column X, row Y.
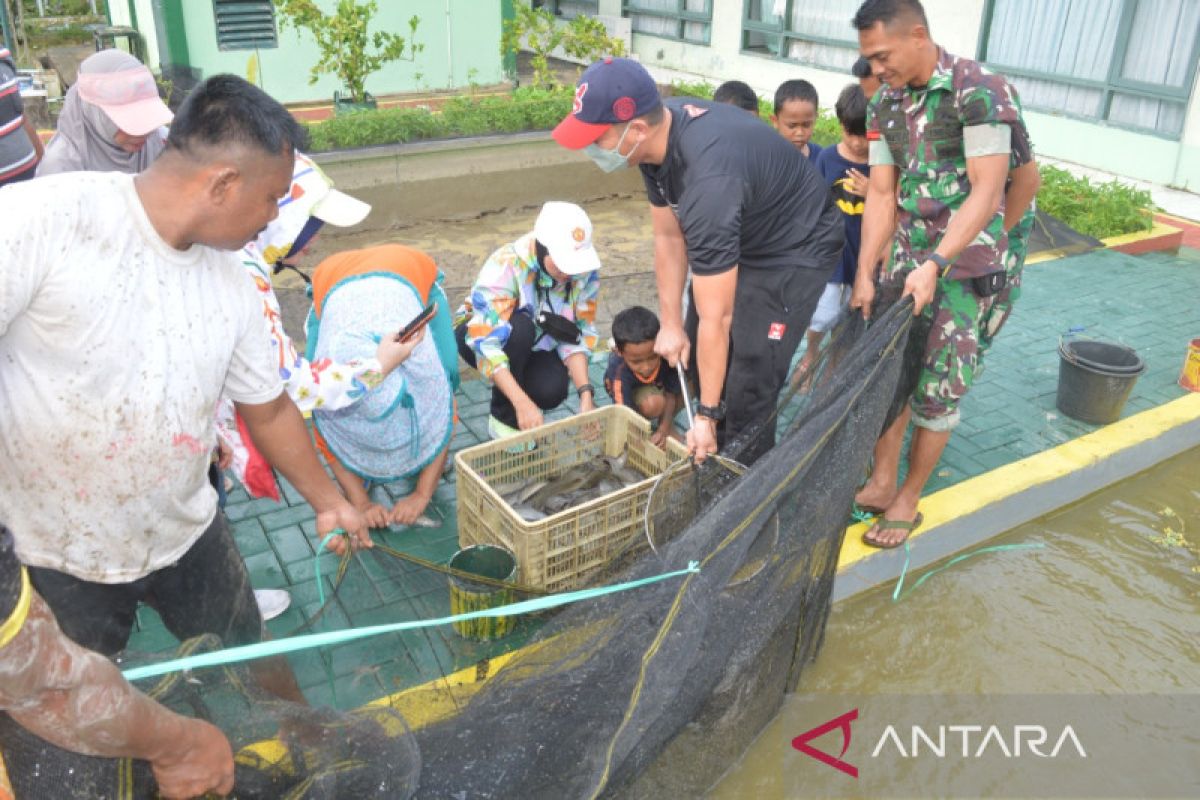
column 1095, row 379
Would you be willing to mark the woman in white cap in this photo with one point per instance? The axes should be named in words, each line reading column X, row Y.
column 529, row 324
column 112, row 119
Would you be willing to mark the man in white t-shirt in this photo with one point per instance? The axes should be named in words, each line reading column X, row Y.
column 123, row 317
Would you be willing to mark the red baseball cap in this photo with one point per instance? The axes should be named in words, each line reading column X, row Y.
column 609, row 92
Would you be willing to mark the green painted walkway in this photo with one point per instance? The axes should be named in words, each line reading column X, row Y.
column 1149, row 303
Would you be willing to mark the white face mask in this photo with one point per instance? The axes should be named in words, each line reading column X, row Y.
column 610, row 160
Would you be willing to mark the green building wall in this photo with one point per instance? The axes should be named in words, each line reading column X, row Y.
column 461, row 39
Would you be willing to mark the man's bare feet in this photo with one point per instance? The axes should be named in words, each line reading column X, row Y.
column 873, row 498
column 895, row 525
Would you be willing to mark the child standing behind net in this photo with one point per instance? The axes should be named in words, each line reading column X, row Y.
column 638, row 377
column 845, row 170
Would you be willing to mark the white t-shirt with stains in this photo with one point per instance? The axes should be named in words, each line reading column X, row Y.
column 114, row 348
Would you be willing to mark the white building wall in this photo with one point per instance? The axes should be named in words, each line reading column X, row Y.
column 956, row 25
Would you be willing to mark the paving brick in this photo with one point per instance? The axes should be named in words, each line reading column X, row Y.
column 293, row 515
column 265, row 572
column 252, row 508
column 358, row 592
column 291, row 496
column 291, row 544
column 476, row 391
column 345, row 695
column 355, row 658
column 303, row 571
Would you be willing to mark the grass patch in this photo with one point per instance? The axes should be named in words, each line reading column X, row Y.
column 39, row 37
column 526, row 109
column 1096, row 209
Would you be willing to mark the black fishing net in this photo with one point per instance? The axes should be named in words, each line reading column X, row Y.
column 1052, row 235
column 647, row 693
column 653, row 693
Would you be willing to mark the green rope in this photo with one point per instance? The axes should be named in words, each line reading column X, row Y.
column 294, row 644
column 995, row 548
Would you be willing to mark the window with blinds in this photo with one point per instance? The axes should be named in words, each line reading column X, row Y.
column 1130, row 63
column 816, row 32
column 686, row 20
column 245, row 25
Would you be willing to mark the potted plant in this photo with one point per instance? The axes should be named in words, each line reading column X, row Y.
column 343, row 39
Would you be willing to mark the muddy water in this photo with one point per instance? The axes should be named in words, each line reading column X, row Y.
column 461, row 244
column 1109, row 604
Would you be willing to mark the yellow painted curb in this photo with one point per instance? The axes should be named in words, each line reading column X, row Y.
column 975, row 493
column 1159, row 229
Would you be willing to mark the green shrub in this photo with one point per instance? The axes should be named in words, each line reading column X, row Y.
column 828, row 130
column 523, row 110
column 1096, row 209
column 384, row 126
column 701, row 89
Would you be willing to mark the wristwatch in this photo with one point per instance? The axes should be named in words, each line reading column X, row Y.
column 587, row 387
column 715, row 413
column 942, row 262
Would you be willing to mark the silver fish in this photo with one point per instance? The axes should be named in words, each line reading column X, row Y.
column 422, row 521
column 529, row 513
column 574, row 486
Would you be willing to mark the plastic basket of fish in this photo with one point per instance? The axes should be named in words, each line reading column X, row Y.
column 567, row 498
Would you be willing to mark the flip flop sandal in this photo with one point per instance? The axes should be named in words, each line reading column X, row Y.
column 885, row 524
column 870, row 511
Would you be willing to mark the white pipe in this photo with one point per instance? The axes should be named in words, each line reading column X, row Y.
column 449, row 45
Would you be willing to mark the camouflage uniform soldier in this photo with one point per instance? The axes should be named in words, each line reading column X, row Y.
column 942, row 140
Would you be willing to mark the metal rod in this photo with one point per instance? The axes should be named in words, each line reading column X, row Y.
column 687, row 401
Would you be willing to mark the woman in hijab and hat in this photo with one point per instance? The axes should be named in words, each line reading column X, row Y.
column 400, row 429
column 310, row 203
column 112, row 119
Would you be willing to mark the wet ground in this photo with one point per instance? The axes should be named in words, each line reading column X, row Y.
column 1105, row 601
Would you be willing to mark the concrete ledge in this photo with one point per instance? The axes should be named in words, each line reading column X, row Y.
column 432, row 179
column 1160, row 237
column 1190, row 228
column 971, row 512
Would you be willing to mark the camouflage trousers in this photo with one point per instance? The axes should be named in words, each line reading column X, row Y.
column 962, row 326
column 1006, row 298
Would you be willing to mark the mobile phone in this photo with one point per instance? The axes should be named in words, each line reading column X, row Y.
column 419, row 321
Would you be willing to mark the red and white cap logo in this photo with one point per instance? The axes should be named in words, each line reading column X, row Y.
column 577, row 105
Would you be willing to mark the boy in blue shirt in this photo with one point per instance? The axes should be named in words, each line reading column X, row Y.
column 796, row 109
column 845, row 169
column 638, row 377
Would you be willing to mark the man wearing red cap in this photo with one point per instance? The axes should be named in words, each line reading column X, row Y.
column 738, row 204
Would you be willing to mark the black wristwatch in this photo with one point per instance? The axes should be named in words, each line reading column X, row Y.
column 942, row 262
column 587, row 387
column 715, row 413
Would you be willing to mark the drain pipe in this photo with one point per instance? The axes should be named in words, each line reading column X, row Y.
column 449, row 45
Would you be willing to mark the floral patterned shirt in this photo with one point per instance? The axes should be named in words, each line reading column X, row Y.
column 510, row 282
column 320, row 384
